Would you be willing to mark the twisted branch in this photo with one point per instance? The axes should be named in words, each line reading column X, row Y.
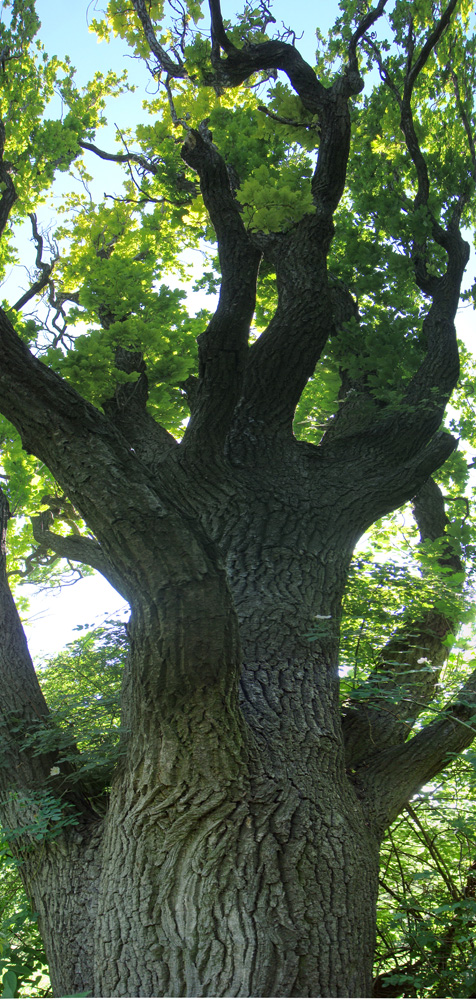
column 75, row 548
column 44, row 268
column 173, row 69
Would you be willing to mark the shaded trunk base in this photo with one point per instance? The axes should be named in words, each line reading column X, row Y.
column 213, row 891
column 231, row 897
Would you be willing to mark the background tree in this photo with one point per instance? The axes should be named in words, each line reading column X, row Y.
column 234, row 849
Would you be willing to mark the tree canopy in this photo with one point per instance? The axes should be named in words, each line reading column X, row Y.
column 330, row 209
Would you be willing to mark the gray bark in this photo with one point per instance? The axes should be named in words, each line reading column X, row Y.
column 237, row 851
column 236, row 856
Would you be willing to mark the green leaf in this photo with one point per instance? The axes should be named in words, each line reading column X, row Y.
column 9, row 982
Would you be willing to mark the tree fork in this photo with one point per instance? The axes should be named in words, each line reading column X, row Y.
column 235, row 854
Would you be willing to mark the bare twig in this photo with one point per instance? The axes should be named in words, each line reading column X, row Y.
column 287, row 121
column 171, row 68
column 128, row 157
column 44, row 268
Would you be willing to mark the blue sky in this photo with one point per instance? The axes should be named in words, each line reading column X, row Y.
column 65, row 31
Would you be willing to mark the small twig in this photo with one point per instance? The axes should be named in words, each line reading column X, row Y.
column 435, row 854
column 287, row 121
column 165, row 62
column 45, row 269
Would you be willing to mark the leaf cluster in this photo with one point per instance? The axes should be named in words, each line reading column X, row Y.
column 427, row 905
column 81, row 685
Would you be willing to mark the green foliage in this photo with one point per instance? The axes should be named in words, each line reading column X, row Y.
column 44, row 817
column 274, row 200
column 81, row 685
column 118, row 257
column 427, row 909
column 125, row 24
column 36, row 146
column 122, row 263
column 427, row 904
column 112, row 266
column 23, row 967
column 393, row 584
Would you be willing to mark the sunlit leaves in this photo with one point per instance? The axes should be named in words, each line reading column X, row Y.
column 121, row 259
column 37, row 146
column 81, row 686
column 273, row 201
column 114, row 264
column 123, row 21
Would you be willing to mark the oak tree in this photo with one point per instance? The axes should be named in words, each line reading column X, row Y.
column 233, row 848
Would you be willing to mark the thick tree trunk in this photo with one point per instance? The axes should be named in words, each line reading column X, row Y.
column 236, row 855
column 216, row 880
column 217, row 890
column 236, row 858
column 236, row 888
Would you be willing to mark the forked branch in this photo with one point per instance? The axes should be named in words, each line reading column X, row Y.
column 392, row 777
column 171, row 68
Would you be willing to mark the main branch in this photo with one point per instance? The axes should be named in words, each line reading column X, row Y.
column 392, row 777
column 223, row 346
column 22, row 710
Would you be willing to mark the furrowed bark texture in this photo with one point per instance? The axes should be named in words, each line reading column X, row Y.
column 237, row 852
column 236, row 856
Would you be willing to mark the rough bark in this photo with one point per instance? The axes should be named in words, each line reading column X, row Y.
column 237, row 852
column 236, row 856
